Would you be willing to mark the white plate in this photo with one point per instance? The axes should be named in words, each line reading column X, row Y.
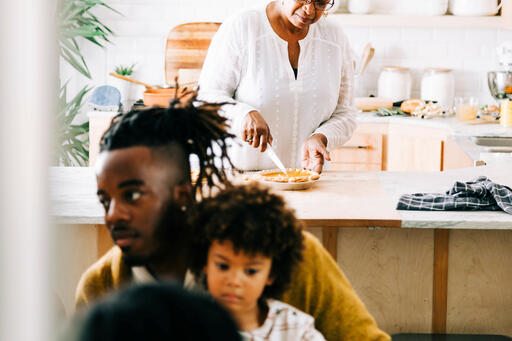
column 281, row 186
column 289, row 186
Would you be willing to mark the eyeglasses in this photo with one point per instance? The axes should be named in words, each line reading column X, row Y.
column 319, row 5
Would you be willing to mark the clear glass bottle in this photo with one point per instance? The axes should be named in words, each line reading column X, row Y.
column 438, row 84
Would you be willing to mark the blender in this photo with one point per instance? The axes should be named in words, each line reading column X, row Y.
column 500, row 82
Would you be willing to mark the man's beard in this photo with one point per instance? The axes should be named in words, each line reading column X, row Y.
column 171, row 231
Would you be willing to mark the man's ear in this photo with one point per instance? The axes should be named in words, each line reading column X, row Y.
column 182, row 194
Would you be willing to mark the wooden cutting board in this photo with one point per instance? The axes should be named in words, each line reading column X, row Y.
column 372, row 103
column 186, row 49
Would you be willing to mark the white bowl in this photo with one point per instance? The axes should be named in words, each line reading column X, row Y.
column 473, row 7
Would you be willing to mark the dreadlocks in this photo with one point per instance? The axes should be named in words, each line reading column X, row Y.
column 196, row 129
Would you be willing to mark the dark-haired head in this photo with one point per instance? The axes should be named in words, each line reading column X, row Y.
column 195, row 129
column 143, row 176
column 157, row 312
column 256, row 222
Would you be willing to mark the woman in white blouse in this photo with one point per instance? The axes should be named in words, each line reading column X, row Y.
column 289, row 74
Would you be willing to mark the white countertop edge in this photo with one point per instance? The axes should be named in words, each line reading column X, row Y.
column 101, row 113
column 451, row 225
column 72, row 220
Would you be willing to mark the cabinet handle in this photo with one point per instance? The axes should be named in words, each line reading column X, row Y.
column 355, row 147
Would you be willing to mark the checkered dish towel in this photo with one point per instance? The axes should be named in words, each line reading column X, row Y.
column 478, row 194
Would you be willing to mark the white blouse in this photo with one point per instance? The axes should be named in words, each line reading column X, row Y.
column 247, row 64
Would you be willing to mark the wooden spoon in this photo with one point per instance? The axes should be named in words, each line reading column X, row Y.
column 367, row 55
column 148, row 86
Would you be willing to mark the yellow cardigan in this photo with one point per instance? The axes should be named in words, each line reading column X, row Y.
column 318, row 287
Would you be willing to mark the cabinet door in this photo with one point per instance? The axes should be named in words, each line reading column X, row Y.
column 454, row 157
column 362, row 152
column 414, row 148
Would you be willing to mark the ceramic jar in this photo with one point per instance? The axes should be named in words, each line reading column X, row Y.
column 410, row 7
column 359, row 6
column 395, row 83
column 438, row 85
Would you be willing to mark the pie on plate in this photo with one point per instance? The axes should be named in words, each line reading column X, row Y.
column 293, row 180
column 293, row 175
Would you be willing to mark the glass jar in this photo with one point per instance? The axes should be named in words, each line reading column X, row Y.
column 395, row 83
column 438, row 85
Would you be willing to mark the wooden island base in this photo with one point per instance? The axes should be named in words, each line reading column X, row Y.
column 429, row 280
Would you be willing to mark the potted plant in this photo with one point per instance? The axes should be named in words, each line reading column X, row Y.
column 76, row 21
column 124, row 87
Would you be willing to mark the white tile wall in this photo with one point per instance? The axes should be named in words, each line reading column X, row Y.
column 142, row 30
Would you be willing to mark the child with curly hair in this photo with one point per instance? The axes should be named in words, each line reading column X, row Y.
column 247, row 244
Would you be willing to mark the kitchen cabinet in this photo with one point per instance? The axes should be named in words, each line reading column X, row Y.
column 415, row 148
column 392, row 147
column 361, row 152
column 454, row 157
column 364, row 151
column 382, row 20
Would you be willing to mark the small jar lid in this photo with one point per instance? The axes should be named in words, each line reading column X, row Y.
column 394, row 68
column 437, row 70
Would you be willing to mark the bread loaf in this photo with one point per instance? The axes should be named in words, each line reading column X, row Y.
column 409, row 105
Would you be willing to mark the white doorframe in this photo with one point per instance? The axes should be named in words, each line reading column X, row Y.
column 26, row 99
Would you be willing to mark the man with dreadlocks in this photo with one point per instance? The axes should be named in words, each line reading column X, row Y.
column 144, row 184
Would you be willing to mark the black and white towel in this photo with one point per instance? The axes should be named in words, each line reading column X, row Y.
column 478, row 194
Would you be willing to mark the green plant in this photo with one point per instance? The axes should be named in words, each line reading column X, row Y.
column 76, row 21
column 73, row 139
column 124, row 70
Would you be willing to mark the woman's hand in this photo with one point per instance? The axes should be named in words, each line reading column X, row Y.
column 255, row 131
column 314, row 152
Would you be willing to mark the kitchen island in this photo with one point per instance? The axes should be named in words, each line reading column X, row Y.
column 416, row 271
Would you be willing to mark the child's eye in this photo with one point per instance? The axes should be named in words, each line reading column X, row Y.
column 222, row 266
column 251, row 272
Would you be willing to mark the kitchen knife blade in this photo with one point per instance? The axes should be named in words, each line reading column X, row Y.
column 275, row 159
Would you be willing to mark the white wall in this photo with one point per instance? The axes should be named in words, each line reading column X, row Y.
column 141, row 35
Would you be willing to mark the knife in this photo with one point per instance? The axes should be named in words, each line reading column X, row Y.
column 273, row 156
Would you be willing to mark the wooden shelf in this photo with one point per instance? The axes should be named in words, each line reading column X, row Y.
column 444, row 21
column 503, row 21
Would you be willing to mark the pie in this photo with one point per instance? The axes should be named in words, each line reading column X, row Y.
column 292, row 175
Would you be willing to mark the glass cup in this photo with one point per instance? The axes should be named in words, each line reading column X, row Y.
column 466, row 108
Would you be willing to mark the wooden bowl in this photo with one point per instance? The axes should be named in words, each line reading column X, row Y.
column 159, row 97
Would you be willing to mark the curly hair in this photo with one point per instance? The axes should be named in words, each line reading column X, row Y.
column 256, row 221
column 196, row 129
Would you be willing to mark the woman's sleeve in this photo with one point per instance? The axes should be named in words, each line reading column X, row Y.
column 339, row 127
column 222, row 71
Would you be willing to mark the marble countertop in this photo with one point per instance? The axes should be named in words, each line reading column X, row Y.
column 345, row 199
column 454, row 126
column 460, row 132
